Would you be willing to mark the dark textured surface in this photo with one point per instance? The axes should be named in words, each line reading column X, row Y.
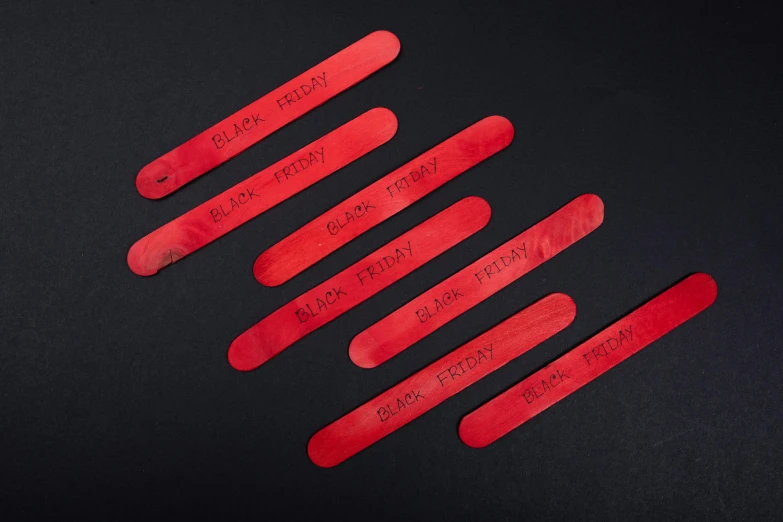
column 116, row 400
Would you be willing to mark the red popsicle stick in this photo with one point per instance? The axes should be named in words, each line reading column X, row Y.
column 476, row 282
column 360, row 281
column 440, row 380
column 381, row 200
column 587, row 361
column 238, row 205
column 269, row 113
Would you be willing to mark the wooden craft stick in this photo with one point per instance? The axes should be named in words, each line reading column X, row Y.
column 269, row 113
column 360, row 281
column 262, row 191
column 382, row 199
column 476, row 282
column 440, row 380
column 588, row 361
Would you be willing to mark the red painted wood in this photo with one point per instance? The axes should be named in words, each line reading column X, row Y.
column 381, row 200
column 440, row 380
column 269, row 113
column 588, row 361
column 471, row 285
column 360, row 281
column 257, row 194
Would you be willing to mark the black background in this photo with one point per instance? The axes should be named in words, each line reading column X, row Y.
column 117, row 400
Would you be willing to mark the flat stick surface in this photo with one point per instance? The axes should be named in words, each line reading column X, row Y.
column 262, row 191
column 440, row 380
column 476, row 282
column 269, row 113
column 382, row 199
column 589, row 360
column 358, row 282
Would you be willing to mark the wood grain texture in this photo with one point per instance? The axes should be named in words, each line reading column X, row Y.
column 262, row 191
column 382, row 199
column 440, row 380
column 588, row 361
column 476, row 282
column 266, row 115
column 358, row 282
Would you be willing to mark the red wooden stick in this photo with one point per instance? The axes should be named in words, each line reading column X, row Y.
column 357, row 283
column 381, row 200
column 238, row 205
column 269, row 113
column 476, row 282
column 440, row 380
column 587, row 361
